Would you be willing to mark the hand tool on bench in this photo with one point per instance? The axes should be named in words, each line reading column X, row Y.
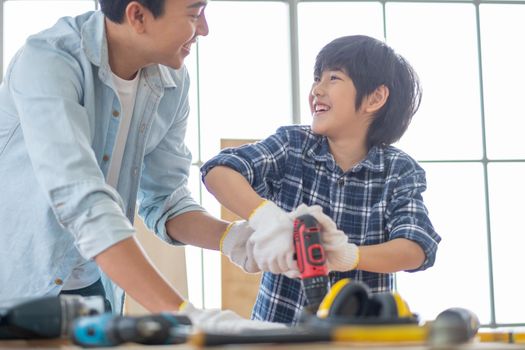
column 45, row 317
column 111, row 330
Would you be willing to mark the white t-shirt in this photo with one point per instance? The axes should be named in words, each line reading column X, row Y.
column 87, row 273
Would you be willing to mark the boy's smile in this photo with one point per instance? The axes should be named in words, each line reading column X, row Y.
column 319, row 108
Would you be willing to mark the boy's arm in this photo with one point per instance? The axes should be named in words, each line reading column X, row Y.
column 128, row 266
column 270, row 246
column 232, row 190
column 396, row 255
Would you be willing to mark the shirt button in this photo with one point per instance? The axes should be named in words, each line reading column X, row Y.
column 59, row 282
column 116, row 113
column 341, row 181
column 105, row 158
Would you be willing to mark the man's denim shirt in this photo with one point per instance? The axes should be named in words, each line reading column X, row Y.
column 59, row 115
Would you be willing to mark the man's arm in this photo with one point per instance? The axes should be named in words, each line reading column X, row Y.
column 197, row 228
column 129, row 267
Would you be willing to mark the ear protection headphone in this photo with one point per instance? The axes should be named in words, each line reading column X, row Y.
column 352, row 302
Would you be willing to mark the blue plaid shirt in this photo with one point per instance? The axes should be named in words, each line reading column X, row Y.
column 379, row 199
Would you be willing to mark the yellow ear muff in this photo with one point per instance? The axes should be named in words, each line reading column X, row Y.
column 347, row 299
column 402, row 307
column 328, row 300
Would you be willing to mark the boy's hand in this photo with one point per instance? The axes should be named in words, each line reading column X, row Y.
column 340, row 254
column 234, row 244
column 272, row 241
column 223, row 321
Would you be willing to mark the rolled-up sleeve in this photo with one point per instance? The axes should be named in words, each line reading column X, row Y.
column 57, row 132
column 407, row 215
column 261, row 163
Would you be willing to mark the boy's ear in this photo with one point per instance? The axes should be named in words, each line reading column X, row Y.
column 376, row 99
column 135, row 15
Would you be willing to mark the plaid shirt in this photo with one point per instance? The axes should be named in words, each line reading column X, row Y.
column 379, row 199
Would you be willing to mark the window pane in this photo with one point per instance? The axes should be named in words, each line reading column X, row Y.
column 439, row 40
column 459, row 276
column 244, row 68
column 503, row 54
column 320, row 23
column 23, row 18
column 507, row 191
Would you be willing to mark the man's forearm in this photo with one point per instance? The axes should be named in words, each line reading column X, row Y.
column 232, row 190
column 128, row 266
column 197, row 228
column 396, row 255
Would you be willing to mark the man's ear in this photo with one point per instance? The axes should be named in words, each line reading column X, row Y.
column 135, row 15
column 376, row 99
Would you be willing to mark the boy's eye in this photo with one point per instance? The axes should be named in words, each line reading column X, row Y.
column 316, row 79
column 334, row 77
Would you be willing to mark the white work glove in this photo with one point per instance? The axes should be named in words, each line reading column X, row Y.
column 223, row 321
column 272, row 241
column 234, row 244
column 340, row 254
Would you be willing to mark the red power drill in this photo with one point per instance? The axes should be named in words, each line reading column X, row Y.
column 311, row 260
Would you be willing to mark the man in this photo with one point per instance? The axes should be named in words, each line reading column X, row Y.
column 93, row 115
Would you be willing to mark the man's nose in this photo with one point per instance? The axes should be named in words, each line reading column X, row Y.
column 202, row 26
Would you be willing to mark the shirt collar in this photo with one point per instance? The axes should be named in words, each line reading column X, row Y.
column 374, row 160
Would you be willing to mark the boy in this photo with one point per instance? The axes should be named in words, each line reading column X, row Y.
column 374, row 220
column 92, row 120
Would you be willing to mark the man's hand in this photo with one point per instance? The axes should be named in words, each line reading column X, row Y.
column 272, row 241
column 340, row 254
column 223, row 321
column 234, row 244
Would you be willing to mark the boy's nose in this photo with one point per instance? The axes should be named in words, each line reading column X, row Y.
column 317, row 90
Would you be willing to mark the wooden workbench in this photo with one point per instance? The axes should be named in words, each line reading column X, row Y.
column 66, row 345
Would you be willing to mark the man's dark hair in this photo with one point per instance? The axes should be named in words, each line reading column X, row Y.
column 371, row 63
column 114, row 9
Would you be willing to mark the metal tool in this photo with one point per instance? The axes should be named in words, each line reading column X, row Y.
column 311, row 260
column 45, row 317
column 111, row 330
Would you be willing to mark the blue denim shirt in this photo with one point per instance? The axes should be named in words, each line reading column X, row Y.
column 58, row 121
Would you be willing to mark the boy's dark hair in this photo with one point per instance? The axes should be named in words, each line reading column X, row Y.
column 114, row 9
column 371, row 63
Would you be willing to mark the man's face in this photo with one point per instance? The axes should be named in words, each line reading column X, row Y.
column 171, row 35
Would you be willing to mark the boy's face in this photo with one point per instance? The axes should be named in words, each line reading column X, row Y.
column 332, row 104
column 170, row 36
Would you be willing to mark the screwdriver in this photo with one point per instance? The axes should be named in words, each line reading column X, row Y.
column 111, row 330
